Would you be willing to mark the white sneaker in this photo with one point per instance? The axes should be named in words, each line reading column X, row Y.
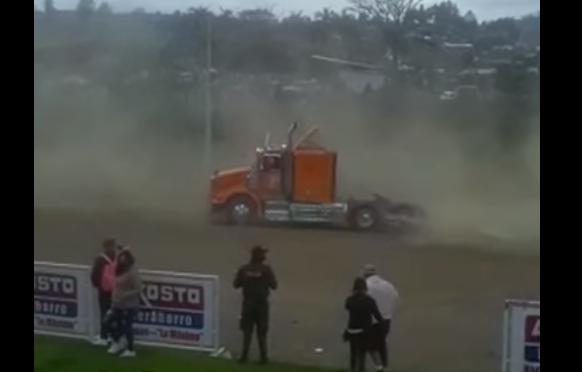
column 128, row 354
column 98, row 341
column 116, row 348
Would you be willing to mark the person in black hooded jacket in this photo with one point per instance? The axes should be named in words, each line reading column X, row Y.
column 362, row 310
column 256, row 280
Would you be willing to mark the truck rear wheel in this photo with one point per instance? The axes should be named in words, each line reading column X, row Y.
column 364, row 218
column 241, row 210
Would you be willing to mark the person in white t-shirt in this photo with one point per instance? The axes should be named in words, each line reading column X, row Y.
column 388, row 299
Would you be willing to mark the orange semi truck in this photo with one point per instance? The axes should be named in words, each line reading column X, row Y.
column 295, row 183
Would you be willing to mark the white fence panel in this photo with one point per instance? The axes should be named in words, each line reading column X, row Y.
column 62, row 300
column 178, row 310
column 521, row 336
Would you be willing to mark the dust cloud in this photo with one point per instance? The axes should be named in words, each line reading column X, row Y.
column 99, row 157
column 488, row 196
column 103, row 159
column 482, row 197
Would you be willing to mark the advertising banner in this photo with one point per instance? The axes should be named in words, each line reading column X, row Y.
column 179, row 311
column 62, row 300
column 522, row 337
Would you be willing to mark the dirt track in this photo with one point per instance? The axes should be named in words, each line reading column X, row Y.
column 452, row 297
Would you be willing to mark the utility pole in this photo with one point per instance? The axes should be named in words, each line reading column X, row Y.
column 209, row 104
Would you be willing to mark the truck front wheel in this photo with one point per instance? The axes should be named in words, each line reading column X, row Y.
column 241, row 210
column 364, row 218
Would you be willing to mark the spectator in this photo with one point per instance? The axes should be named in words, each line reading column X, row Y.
column 103, row 280
column 125, row 304
column 257, row 280
column 362, row 311
column 387, row 298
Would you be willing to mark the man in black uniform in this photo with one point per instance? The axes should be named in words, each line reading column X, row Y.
column 257, row 280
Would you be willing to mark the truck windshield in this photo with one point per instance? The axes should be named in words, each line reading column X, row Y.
column 271, row 163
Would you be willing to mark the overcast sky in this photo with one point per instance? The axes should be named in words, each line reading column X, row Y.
column 483, row 8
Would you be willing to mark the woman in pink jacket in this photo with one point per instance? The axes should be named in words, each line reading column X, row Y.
column 103, row 280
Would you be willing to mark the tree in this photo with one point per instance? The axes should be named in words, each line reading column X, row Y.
column 86, row 9
column 389, row 11
column 104, row 9
column 49, row 7
column 392, row 14
column 471, row 17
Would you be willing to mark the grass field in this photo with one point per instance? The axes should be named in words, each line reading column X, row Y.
column 57, row 355
column 52, row 355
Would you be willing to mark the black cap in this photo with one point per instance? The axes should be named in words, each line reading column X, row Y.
column 259, row 253
column 260, row 249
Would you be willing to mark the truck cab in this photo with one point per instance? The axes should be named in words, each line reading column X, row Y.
column 294, row 182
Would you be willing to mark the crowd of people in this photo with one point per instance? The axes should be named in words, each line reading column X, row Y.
column 371, row 307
